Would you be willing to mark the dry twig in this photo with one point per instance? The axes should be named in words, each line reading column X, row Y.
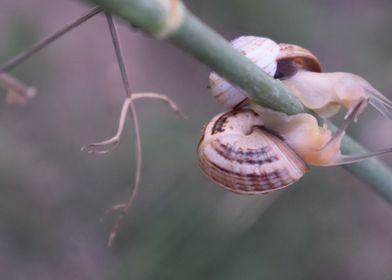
column 16, row 91
column 110, row 144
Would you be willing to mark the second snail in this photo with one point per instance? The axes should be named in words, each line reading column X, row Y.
column 251, row 149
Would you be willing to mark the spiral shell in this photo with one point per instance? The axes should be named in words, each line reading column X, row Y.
column 262, row 51
column 277, row 60
column 239, row 154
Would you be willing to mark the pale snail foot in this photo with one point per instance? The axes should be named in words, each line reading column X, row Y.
column 111, row 144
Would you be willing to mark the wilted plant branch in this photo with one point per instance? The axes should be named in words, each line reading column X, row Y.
column 170, row 20
column 135, row 125
column 17, row 92
column 129, row 106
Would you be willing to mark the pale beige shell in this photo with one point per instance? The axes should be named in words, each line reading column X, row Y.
column 277, row 60
column 239, row 154
column 262, row 51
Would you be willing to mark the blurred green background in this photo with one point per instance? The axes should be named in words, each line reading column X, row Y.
column 52, row 196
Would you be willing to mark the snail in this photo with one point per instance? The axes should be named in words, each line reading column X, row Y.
column 301, row 71
column 252, row 150
column 269, row 56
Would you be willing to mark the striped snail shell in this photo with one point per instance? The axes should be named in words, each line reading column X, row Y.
column 239, row 154
column 277, row 60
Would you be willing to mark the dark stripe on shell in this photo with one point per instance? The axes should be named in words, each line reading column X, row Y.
column 253, row 156
column 220, row 123
column 246, row 183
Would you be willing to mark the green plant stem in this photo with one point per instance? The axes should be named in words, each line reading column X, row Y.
column 170, row 20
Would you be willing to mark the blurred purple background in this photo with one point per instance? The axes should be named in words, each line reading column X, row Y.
column 52, row 196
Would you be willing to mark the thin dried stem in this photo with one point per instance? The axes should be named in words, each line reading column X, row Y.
column 110, row 144
column 47, row 40
column 17, row 92
column 128, row 106
column 13, row 85
column 135, row 124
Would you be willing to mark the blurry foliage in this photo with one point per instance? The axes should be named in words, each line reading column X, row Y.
column 327, row 226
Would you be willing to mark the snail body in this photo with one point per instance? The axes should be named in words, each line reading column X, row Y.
column 325, row 93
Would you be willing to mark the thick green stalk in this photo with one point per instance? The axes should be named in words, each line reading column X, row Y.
column 170, row 20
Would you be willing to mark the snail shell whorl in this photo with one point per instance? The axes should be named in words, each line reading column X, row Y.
column 262, row 51
column 277, row 60
column 237, row 153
